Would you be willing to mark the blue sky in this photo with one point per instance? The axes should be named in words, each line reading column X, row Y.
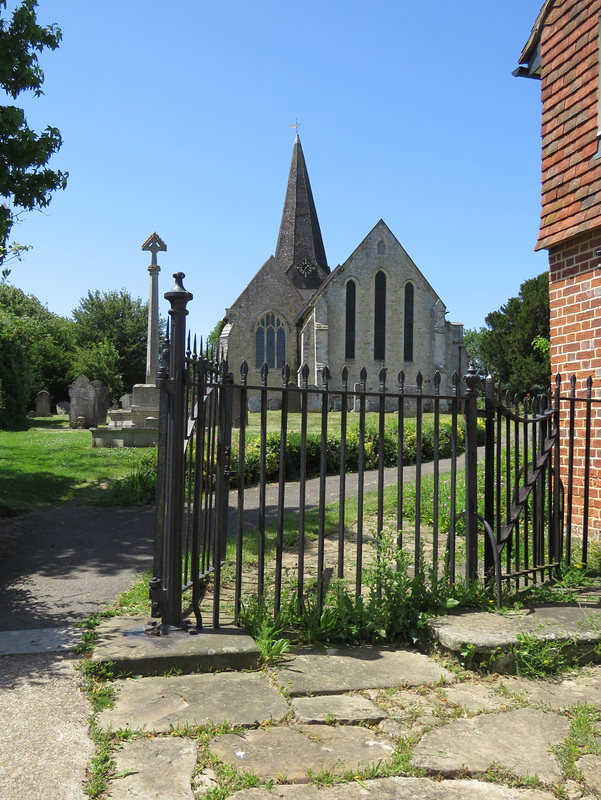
column 176, row 117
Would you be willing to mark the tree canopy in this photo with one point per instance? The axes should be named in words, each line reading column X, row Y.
column 120, row 320
column 26, row 181
column 509, row 348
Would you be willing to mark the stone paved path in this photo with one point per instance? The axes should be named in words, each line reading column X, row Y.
column 383, row 723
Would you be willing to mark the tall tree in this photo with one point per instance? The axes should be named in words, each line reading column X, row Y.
column 46, row 338
column 26, row 181
column 508, row 348
column 120, row 320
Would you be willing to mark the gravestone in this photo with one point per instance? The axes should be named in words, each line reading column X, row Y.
column 89, row 399
column 101, row 402
column 63, row 407
column 42, row 404
column 254, row 403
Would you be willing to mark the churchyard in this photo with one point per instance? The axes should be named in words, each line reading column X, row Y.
column 51, row 464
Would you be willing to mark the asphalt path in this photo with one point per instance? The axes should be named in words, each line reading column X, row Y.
column 60, row 565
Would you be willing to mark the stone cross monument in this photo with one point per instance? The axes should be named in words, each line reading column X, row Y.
column 154, row 244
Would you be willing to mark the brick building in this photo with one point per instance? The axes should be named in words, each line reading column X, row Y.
column 375, row 310
column 563, row 53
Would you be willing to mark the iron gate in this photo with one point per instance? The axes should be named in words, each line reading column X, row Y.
column 503, row 520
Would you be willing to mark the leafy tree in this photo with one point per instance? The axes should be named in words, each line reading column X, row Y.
column 509, row 347
column 15, row 373
column 122, row 321
column 47, row 339
column 99, row 361
column 26, row 182
column 213, row 337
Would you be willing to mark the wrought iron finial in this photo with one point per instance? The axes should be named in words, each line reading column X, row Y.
column 472, row 379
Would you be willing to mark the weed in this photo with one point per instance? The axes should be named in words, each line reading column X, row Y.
column 582, row 738
column 102, row 762
column 537, row 658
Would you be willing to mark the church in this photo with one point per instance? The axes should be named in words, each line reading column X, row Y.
column 375, row 310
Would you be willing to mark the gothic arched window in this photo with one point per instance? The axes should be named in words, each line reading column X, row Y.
column 380, row 317
column 270, row 342
column 408, row 325
column 351, row 299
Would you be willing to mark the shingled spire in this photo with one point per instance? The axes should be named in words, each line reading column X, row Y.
column 300, row 251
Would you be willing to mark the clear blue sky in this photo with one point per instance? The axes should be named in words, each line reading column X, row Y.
column 176, row 118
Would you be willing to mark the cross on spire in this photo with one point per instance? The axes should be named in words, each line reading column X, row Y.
column 154, row 244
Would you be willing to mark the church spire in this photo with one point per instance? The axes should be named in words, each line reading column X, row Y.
column 300, row 251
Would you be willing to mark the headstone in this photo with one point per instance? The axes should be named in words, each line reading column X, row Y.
column 63, row 407
column 254, row 403
column 101, row 402
column 83, row 404
column 313, row 400
column 126, row 402
column 31, row 414
column 42, row 404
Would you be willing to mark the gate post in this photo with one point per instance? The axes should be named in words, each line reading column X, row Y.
column 471, row 475
column 489, row 474
column 178, row 297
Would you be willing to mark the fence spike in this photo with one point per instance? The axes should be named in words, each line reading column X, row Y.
column 437, row 380
column 325, row 376
column 264, row 373
column 188, row 351
column 194, row 353
column 344, row 378
column 285, row 375
column 305, row 375
column 401, row 380
column 419, row 381
column 363, row 377
column 382, row 377
column 455, row 382
column 244, row 371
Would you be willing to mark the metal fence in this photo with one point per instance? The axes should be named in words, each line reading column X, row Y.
column 467, row 491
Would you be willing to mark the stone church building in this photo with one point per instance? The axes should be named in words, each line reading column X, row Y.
column 375, row 310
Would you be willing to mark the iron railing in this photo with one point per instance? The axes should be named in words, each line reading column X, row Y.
column 484, row 500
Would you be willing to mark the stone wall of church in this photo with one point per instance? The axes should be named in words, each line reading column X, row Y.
column 435, row 341
column 268, row 292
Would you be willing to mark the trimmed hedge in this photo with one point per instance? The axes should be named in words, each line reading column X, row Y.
column 252, row 463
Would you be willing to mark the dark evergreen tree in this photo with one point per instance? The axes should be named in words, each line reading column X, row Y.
column 506, row 348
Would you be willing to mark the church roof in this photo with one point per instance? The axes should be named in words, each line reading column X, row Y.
column 300, row 251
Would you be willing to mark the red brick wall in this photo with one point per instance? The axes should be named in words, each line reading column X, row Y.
column 575, row 304
column 571, row 178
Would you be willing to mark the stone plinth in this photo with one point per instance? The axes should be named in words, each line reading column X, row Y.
column 136, row 426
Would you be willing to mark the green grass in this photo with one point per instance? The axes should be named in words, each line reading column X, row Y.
column 49, row 464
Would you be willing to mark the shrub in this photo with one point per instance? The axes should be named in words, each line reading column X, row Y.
column 371, row 448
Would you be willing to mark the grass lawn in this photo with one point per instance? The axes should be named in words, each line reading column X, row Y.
column 50, row 464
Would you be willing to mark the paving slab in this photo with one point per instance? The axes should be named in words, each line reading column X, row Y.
column 154, row 769
column 290, row 753
column 341, row 708
column 590, row 766
column 395, row 789
column 125, row 643
column 478, row 698
column 492, row 635
column 578, row 688
column 355, row 668
column 158, row 703
column 518, row 741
